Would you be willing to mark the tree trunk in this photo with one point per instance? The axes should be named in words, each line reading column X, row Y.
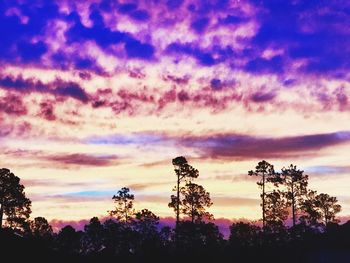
column 1, row 215
column 192, row 213
column 125, row 212
column 293, row 204
column 178, row 201
column 263, row 202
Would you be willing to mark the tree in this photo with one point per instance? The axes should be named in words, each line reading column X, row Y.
column 320, row 209
column 119, row 238
column 166, row 235
column 296, row 188
column 146, row 227
column 13, row 202
column 146, row 223
column 93, row 236
column 328, row 208
column 124, row 210
column 113, row 236
column 183, row 172
column 68, row 240
column 275, row 208
column 310, row 214
column 267, row 173
column 41, row 228
column 244, row 234
column 191, row 236
column 194, row 202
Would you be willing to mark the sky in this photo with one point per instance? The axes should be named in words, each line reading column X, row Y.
column 98, row 95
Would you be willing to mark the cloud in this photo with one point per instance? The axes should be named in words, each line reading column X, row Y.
column 105, row 36
column 155, row 101
column 309, row 31
column 139, row 15
column 141, row 187
column 82, row 159
column 24, row 22
column 17, row 129
column 47, row 110
column 235, row 201
column 12, row 104
column 190, row 77
column 262, row 97
column 70, row 89
column 58, row 224
column 56, row 182
column 305, row 31
column 204, row 58
column 119, row 139
column 58, row 87
column 327, row 170
column 247, row 147
column 91, row 194
column 235, row 146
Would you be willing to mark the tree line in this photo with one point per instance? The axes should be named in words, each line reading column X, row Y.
column 292, row 216
column 290, row 195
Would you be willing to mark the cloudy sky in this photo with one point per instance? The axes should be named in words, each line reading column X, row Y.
column 97, row 95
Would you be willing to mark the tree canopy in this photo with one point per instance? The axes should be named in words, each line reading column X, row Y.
column 124, row 209
column 14, row 204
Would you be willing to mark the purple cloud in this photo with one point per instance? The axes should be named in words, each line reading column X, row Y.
column 262, row 97
column 47, row 111
column 58, row 87
column 315, row 32
column 247, row 147
column 236, row 146
column 12, row 104
column 82, row 159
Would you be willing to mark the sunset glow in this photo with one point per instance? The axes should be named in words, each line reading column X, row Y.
column 98, row 95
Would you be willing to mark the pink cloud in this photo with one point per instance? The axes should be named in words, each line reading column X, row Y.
column 47, row 110
column 12, row 104
column 82, row 159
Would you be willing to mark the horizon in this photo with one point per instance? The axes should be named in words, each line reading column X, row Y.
column 99, row 95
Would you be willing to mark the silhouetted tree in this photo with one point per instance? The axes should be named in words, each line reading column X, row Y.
column 194, row 202
column 266, row 171
column 275, row 208
column 320, row 209
column 244, row 235
column 195, row 235
column 310, row 214
column 119, row 238
column 328, row 208
column 184, row 172
column 146, row 227
column 146, row 223
column 295, row 182
column 41, row 228
column 13, row 202
column 113, row 232
column 68, row 240
column 124, row 210
column 93, row 236
column 166, row 235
